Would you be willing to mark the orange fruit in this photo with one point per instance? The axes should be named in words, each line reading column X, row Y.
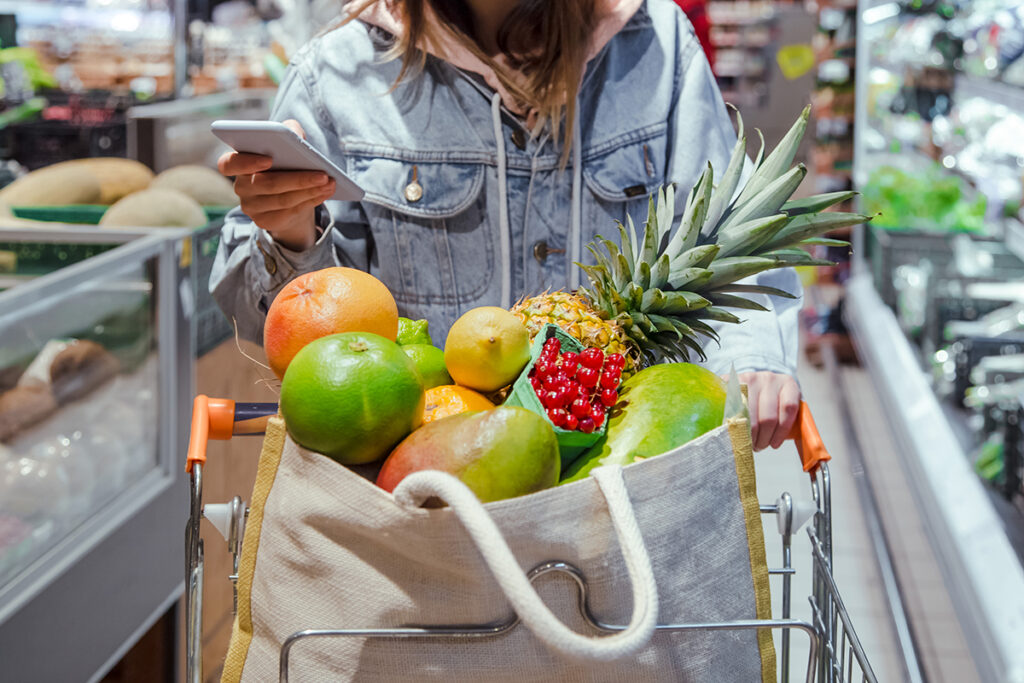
column 326, row 302
column 451, row 399
column 351, row 396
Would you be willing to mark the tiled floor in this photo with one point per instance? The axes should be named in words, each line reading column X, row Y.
column 942, row 650
column 856, row 571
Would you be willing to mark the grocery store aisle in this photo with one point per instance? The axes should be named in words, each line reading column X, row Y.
column 855, row 568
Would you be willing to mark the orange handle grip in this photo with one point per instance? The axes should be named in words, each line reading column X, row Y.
column 808, row 441
column 212, row 418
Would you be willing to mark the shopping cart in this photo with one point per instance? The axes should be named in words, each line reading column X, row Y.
column 835, row 653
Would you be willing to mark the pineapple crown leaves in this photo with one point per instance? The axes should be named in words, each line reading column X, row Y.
column 667, row 285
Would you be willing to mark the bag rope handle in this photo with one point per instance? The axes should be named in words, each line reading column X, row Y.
column 419, row 486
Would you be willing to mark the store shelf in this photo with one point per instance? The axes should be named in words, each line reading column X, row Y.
column 1011, row 96
column 982, row 571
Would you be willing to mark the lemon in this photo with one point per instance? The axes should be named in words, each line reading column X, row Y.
column 429, row 360
column 486, row 349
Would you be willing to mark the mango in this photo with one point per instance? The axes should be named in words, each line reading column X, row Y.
column 660, row 408
column 498, row 454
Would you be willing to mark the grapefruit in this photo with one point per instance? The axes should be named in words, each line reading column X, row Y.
column 351, row 396
column 487, row 348
column 326, row 302
column 445, row 401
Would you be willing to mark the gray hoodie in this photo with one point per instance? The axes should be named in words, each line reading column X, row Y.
column 495, row 217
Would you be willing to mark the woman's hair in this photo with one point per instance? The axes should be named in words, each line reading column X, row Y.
column 545, row 44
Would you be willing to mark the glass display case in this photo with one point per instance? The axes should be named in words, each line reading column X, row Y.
column 935, row 304
column 95, row 380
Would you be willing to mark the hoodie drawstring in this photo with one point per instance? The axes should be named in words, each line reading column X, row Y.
column 503, row 224
column 576, row 220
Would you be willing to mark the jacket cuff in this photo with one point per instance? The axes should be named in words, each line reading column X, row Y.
column 278, row 265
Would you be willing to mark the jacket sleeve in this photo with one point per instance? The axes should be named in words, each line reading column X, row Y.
column 765, row 340
column 250, row 268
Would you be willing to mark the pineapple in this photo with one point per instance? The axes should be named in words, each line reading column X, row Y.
column 652, row 300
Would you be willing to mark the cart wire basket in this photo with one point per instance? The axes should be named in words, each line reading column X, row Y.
column 835, row 653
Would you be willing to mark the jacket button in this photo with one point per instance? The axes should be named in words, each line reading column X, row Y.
column 541, row 251
column 269, row 263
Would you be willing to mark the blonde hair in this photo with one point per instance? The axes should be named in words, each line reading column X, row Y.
column 545, row 44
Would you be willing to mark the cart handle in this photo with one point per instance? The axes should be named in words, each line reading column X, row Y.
column 808, row 441
column 220, row 419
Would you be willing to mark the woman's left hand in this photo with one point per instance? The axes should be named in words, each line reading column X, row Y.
column 774, row 402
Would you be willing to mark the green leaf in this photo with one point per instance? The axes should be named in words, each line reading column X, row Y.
column 733, row 268
column 719, row 314
column 636, row 296
column 643, row 322
column 677, row 303
column 688, row 278
column 703, row 328
column 666, row 211
column 633, row 248
column 698, row 257
column 824, row 242
column 642, row 278
column 660, row 272
column 795, row 257
column 811, row 225
column 663, row 324
column 731, row 301
column 769, row 200
column 649, row 250
column 723, row 194
column 693, row 216
column 625, row 241
column 756, row 289
column 777, row 163
column 817, row 203
column 745, row 238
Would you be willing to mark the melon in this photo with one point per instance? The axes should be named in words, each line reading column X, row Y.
column 57, row 185
column 205, row 185
column 660, row 408
column 155, row 208
column 117, row 177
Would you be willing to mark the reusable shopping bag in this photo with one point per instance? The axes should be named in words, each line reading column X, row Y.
column 672, row 539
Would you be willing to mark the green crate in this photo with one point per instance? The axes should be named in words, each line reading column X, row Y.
column 571, row 445
column 88, row 214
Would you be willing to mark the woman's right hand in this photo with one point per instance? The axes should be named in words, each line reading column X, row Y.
column 280, row 202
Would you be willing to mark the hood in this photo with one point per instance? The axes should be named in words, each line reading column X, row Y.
column 614, row 15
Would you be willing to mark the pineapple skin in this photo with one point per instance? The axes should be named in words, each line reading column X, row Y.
column 577, row 318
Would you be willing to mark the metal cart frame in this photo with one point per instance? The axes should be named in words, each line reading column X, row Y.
column 835, row 652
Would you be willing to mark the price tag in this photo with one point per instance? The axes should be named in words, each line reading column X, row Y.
column 795, row 60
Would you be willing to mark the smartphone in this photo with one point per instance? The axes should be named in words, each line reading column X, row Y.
column 289, row 151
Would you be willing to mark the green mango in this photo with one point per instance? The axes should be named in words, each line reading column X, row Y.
column 660, row 408
column 500, row 453
column 412, row 332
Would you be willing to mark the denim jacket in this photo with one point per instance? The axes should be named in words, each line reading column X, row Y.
column 496, row 218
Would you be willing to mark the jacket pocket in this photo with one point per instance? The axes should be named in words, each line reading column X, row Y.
column 621, row 174
column 433, row 244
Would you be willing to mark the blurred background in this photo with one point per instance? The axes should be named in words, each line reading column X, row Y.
column 913, row 343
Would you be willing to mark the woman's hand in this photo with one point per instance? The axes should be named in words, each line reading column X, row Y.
column 280, row 202
column 774, row 402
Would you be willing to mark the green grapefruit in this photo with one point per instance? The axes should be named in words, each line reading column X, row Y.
column 351, row 396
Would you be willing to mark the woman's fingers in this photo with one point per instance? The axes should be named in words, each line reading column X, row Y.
column 296, row 126
column 279, row 182
column 253, row 205
column 240, row 164
column 789, row 409
column 283, row 221
column 767, row 412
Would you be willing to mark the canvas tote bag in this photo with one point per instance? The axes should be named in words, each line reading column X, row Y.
column 671, row 539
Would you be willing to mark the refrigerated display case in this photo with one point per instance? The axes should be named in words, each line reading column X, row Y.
column 935, row 303
column 96, row 357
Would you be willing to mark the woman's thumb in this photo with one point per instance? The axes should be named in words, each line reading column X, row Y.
column 294, row 125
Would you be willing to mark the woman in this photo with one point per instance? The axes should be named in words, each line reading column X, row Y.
column 494, row 139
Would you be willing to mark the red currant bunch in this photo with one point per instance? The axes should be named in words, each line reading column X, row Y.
column 576, row 390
